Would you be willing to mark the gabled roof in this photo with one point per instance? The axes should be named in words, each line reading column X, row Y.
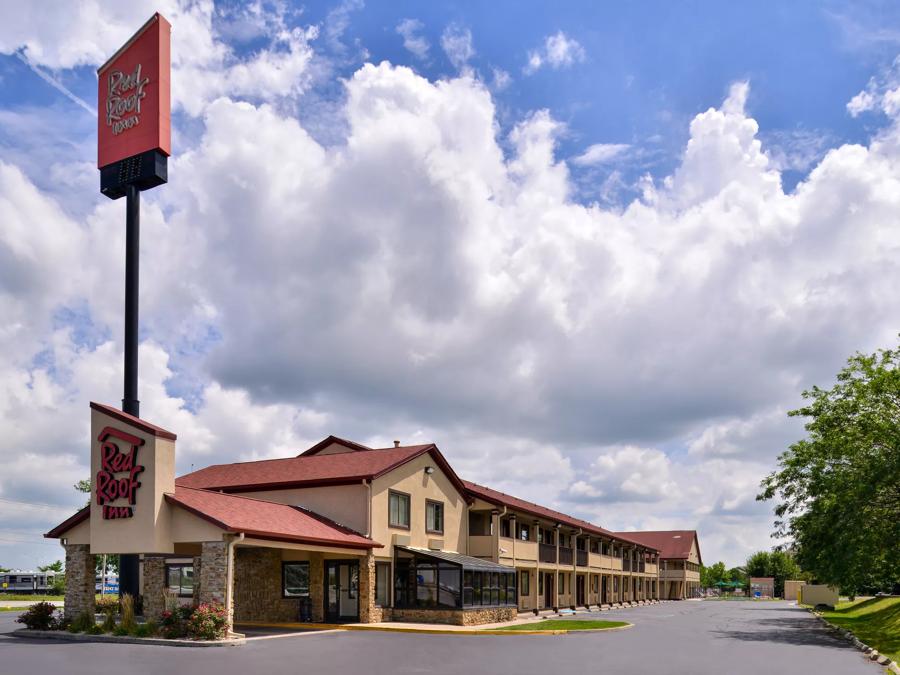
column 314, row 470
column 266, row 520
column 672, row 544
column 332, row 440
column 503, row 499
column 69, row 523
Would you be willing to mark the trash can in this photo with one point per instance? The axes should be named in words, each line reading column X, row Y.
column 305, row 609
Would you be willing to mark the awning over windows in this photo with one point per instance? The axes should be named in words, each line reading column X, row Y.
column 466, row 561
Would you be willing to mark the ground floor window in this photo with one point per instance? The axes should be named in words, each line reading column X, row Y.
column 295, row 579
column 426, row 581
column 615, row 584
column 562, row 583
column 382, row 584
column 180, row 579
column 524, row 584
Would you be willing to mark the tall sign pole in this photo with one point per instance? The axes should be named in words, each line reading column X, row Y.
column 133, row 145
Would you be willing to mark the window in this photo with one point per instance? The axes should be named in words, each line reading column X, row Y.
column 468, row 590
column 398, row 509
column 540, row 584
column 180, row 579
column 504, row 528
column 294, row 579
column 524, row 587
column 562, row 582
column 382, row 583
column 524, row 532
column 434, row 517
column 511, row 587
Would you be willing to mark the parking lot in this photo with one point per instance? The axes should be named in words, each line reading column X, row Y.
column 675, row 638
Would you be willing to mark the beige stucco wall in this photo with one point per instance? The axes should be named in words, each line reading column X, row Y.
column 818, row 594
column 80, row 534
column 345, row 504
column 148, row 530
column 792, row 589
column 412, row 479
column 694, row 556
column 185, row 527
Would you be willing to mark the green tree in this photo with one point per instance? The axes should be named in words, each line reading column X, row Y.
column 52, row 567
column 710, row 576
column 3, row 570
column 777, row 564
column 737, row 574
column 839, row 488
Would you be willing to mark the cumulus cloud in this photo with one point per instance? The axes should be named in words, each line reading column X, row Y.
column 204, row 66
column 456, row 41
column 432, row 278
column 600, row 153
column 413, row 41
column 558, row 51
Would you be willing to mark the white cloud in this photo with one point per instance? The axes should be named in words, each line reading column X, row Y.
column 413, row 42
column 558, row 51
column 600, row 153
column 431, row 276
column 456, row 42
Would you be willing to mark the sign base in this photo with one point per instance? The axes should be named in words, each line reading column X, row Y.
column 145, row 171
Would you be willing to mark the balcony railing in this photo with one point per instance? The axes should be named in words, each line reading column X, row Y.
column 581, row 558
column 642, row 566
column 547, row 553
column 626, row 565
column 565, row 556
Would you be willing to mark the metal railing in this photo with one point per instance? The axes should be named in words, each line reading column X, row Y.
column 581, row 558
column 565, row 556
column 547, row 553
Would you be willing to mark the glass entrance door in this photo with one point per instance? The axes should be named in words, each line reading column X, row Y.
column 341, row 591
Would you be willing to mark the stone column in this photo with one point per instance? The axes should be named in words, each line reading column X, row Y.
column 368, row 612
column 154, row 586
column 198, row 566
column 317, row 586
column 213, row 575
column 80, row 584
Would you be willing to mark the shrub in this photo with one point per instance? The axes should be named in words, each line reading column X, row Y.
column 40, row 616
column 171, row 625
column 121, row 631
column 109, row 623
column 108, row 604
column 95, row 630
column 208, row 622
column 127, row 622
column 143, row 630
column 82, row 623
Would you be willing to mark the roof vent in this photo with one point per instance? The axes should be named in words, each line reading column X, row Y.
column 396, row 444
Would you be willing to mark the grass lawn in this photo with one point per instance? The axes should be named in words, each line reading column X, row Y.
column 35, row 598
column 561, row 624
column 875, row 621
column 13, row 609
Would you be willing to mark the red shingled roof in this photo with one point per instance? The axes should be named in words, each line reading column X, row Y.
column 313, row 470
column 673, row 544
column 503, row 499
column 266, row 520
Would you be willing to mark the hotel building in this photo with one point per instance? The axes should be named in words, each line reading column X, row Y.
column 340, row 533
column 679, row 552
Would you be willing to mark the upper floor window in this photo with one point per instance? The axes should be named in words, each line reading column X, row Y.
column 398, row 509
column 434, row 517
column 524, row 532
column 504, row 528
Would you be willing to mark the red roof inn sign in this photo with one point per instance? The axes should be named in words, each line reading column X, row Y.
column 134, row 111
column 118, row 475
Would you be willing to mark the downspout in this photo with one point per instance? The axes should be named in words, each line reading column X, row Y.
column 368, row 485
column 229, row 578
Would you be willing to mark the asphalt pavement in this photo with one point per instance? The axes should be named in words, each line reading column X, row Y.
column 675, row 638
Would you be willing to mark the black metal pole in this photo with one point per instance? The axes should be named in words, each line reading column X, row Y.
column 128, row 564
column 130, row 403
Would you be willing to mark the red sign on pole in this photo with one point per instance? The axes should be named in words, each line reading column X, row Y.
column 110, row 484
column 134, row 96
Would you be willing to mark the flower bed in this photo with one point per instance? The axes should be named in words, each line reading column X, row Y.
column 206, row 623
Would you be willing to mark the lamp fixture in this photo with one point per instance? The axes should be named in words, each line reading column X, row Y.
column 429, row 470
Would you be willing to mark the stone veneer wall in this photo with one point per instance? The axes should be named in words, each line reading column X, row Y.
column 198, row 564
column 154, row 586
column 257, row 587
column 458, row 617
column 80, row 584
column 368, row 612
column 317, row 586
column 213, row 570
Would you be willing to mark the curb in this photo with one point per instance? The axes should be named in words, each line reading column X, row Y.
column 442, row 631
column 871, row 654
column 65, row 636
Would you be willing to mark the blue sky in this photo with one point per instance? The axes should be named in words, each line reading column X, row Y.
column 593, row 250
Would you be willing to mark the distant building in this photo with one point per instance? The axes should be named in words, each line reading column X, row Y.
column 763, row 587
column 679, row 554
